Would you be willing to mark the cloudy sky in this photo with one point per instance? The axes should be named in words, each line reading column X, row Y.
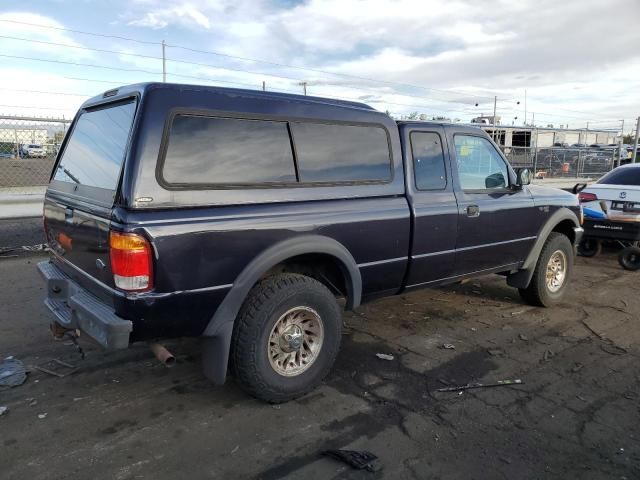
column 578, row 60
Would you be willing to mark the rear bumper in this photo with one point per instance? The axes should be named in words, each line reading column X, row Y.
column 74, row 307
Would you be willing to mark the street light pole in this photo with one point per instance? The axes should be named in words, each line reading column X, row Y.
column 635, row 144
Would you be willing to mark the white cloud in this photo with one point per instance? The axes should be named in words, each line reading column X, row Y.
column 425, row 55
column 161, row 14
column 26, row 26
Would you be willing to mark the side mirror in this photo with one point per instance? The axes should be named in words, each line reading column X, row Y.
column 523, row 176
column 578, row 187
column 495, row 180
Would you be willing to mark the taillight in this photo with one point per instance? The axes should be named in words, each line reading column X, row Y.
column 131, row 261
column 584, row 197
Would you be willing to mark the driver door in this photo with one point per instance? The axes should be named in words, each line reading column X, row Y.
column 494, row 223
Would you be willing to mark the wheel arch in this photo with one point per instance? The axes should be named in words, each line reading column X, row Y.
column 562, row 221
column 217, row 334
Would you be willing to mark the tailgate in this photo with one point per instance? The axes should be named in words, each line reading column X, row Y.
column 82, row 192
column 80, row 237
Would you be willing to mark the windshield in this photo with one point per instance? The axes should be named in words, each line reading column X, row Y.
column 622, row 176
column 95, row 151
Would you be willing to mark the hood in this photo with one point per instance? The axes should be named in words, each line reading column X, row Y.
column 552, row 196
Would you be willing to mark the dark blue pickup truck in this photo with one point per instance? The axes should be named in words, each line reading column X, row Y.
column 252, row 218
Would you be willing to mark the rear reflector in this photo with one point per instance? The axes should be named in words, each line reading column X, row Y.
column 587, row 197
column 131, row 261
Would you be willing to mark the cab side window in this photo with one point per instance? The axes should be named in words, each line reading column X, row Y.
column 480, row 167
column 428, row 161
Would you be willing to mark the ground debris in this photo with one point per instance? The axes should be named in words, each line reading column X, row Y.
column 495, row 352
column 448, row 346
column 547, row 355
column 384, row 356
column 12, row 372
column 42, row 415
column 359, row 460
column 577, row 367
column 469, row 386
column 3, row 410
column 523, row 337
column 612, row 349
column 57, row 368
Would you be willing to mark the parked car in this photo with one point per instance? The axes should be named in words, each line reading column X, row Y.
column 33, row 150
column 613, row 207
column 244, row 216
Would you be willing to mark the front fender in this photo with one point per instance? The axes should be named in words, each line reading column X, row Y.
column 217, row 334
column 522, row 277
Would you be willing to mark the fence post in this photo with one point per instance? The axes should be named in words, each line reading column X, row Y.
column 535, row 158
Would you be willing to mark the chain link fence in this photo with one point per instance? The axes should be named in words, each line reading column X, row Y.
column 29, row 145
column 28, row 149
column 564, row 162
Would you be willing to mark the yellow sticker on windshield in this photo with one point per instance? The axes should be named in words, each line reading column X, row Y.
column 465, row 150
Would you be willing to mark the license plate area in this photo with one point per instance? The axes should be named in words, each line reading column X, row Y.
column 629, row 207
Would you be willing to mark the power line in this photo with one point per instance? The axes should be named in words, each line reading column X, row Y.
column 120, row 69
column 208, row 65
column 326, row 72
column 236, row 57
column 80, row 32
column 40, row 108
column 44, row 92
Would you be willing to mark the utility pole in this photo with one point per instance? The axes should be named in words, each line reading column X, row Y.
column 621, row 143
column 525, row 107
column 635, row 144
column 304, row 86
column 495, row 101
column 264, row 86
column 164, row 63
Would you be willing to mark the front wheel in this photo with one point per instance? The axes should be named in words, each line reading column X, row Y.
column 552, row 272
column 286, row 337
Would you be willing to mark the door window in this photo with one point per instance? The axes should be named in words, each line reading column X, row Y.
column 428, row 161
column 480, row 167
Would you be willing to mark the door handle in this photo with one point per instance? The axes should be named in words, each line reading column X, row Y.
column 473, row 211
column 68, row 215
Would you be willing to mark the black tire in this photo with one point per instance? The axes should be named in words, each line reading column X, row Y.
column 629, row 258
column 538, row 292
column 590, row 247
column 266, row 303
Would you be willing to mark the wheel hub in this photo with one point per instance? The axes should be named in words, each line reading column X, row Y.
column 291, row 339
column 295, row 341
column 556, row 271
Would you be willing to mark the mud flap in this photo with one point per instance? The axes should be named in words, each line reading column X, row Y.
column 215, row 354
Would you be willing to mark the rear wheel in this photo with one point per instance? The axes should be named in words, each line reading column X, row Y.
column 286, row 337
column 590, row 247
column 629, row 258
column 552, row 272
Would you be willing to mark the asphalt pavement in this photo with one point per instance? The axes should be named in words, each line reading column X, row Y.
column 124, row 416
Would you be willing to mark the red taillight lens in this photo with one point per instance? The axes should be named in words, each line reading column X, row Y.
column 587, row 197
column 131, row 261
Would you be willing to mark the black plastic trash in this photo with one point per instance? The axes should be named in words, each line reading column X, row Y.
column 12, row 373
column 360, row 460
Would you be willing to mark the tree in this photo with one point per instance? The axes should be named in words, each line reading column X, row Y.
column 412, row 116
column 628, row 139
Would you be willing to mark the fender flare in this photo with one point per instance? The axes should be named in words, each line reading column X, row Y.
column 522, row 277
column 217, row 334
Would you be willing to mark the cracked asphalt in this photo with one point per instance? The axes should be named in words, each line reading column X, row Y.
column 123, row 416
